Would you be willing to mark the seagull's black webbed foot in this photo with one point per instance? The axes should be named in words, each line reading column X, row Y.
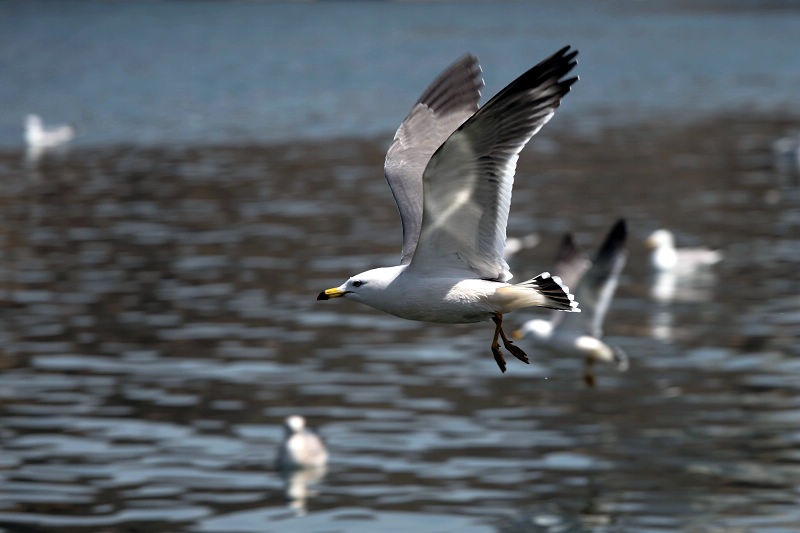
column 498, row 356
column 501, row 362
column 516, row 351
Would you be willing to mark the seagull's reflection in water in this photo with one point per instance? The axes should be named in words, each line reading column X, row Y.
column 697, row 287
column 298, row 486
column 668, row 288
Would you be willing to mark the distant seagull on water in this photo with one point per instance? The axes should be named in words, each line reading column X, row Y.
column 786, row 152
column 666, row 257
column 37, row 136
column 515, row 245
column 301, row 447
column 594, row 283
column 451, row 169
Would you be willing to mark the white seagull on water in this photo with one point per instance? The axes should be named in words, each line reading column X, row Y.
column 451, row 168
column 666, row 257
column 301, row 447
column 594, row 283
column 37, row 136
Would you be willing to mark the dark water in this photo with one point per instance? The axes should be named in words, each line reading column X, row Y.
column 159, row 321
column 158, row 278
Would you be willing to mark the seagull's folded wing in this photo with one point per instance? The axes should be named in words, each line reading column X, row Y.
column 467, row 182
column 449, row 100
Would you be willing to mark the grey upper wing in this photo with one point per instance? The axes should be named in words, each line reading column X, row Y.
column 597, row 287
column 449, row 100
column 570, row 265
column 467, row 182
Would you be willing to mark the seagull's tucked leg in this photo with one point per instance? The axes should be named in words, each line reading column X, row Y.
column 516, row 351
column 588, row 371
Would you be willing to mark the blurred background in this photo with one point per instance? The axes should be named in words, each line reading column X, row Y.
column 158, row 272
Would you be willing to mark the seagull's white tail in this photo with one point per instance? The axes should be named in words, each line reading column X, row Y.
column 556, row 294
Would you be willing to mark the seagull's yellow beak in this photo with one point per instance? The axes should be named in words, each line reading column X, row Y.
column 330, row 293
column 517, row 334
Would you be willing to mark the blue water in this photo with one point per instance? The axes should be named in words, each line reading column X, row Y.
column 234, row 72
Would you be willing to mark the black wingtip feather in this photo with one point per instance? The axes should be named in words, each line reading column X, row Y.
column 568, row 250
column 555, row 291
column 614, row 241
column 553, row 68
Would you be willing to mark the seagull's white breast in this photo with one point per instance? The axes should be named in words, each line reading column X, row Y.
column 451, row 300
column 448, row 300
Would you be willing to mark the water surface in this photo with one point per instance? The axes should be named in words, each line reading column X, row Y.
column 158, row 277
column 159, row 321
column 222, row 72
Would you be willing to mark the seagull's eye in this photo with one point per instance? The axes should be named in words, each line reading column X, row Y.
column 358, row 283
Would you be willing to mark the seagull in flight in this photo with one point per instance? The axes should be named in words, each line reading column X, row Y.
column 451, row 169
column 595, row 282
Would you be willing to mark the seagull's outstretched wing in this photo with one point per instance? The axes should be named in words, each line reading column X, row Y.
column 467, row 183
column 450, row 100
column 571, row 263
column 596, row 289
column 601, row 280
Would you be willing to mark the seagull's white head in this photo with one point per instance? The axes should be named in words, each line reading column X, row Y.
column 294, row 424
column 33, row 121
column 538, row 329
column 664, row 256
column 367, row 287
column 660, row 238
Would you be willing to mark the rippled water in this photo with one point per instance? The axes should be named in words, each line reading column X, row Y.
column 158, row 278
column 159, row 320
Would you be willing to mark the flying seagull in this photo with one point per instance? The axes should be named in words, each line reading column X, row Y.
column 451, row 168
column 595, row 283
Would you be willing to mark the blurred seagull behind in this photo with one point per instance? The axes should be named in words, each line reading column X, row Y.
column 666, row 257
column 786, row 153
column 595, row 283
column 514, row 245
column 301, row 447
column 39, row 136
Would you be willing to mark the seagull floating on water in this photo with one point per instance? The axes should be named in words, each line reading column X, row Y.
column 666, row 257
column 37, row 136
column 301, row 447
column 595, row 283
column 451, row 169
